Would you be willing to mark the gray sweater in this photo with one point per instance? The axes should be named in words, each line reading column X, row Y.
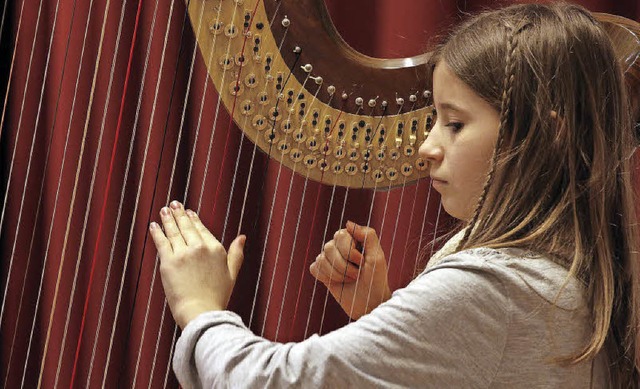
column 480, row 318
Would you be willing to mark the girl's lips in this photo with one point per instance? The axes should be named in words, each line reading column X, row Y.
column 437, row 183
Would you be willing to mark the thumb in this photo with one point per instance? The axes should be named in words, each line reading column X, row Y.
column 236, row 255
column 365, row 235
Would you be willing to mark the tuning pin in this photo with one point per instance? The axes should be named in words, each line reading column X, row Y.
column 318, row 80
column 399, row 101
column 307, row 68
column 426, row 94
column 286, row 22
column 331, row 89
column 372, row 103
column 359, row 101
column 413, row 98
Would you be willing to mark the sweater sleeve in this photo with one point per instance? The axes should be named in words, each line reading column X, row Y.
column 448, row 328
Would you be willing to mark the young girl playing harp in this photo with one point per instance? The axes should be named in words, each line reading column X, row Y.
column 532, row 151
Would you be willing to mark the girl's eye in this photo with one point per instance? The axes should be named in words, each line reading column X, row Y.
column 455, row 126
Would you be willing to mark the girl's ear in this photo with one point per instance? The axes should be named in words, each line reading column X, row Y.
column 554, row 114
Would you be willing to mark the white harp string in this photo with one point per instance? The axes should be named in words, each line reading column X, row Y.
column 172, row 176
column 287, row 202
column 24, row 189
column 95, row 167
column 4, row 109
column 73, row 104
column 121, row 202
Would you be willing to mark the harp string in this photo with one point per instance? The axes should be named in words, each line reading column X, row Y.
column 13, row 60
column 406, row 241
column 169, row 191
column 2, row 19
column 106, row 286
column 242, row 60
column 190, row 168
column 121, row 201
column 324, row 239
column 306, row 255
column 81, row 154
column 382, row 225
column 27, row 174
column 255, row 144
column 326, row 227
column 185, row 197
column 273, row 125
column 375, row 187
column 299, row 218
column 106, row 193
column 215, row 123
column 286, row 209
column 420, row 238
column 41, row 196
column 13, row 154
column 326, row 294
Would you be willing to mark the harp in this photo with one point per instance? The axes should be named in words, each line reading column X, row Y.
column 110, row 111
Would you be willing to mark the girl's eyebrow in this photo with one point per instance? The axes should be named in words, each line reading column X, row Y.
column 451, row 107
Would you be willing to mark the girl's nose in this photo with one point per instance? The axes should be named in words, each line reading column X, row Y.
column 431, row 149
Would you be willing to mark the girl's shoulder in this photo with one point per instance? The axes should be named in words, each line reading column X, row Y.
column 520, row 272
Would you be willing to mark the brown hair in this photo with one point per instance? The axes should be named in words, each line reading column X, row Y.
column 560, row 181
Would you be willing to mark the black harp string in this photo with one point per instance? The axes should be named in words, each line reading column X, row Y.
column 373, row 199
column 41, row 193
column 189, row 174
column 156, row 180
column 144, row 245
column 95, row 165
column 264, row 175
column 121, row 200
column 315, row 281
column 331, row 92
column 99, row 53
column 286, row 209
column 190, row 167
column 154, row 274
column 326, row 297
column 299, row 218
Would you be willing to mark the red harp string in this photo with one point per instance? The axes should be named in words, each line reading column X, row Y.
column 120, row 116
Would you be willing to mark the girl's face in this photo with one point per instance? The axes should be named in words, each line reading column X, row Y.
column 460, row 145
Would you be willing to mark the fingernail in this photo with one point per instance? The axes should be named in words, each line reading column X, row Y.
column 191, row 213
column 153, row 226
column 165, row 211
column 175, row 204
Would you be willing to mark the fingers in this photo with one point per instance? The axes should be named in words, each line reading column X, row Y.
column 345, row 244
column 190, row 234
column 162, row 243
column 197, row 223
column 365, row 235
column 328, row 267
column 171, row 229
column 236, row 255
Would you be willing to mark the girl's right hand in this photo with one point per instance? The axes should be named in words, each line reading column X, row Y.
column 357, row 280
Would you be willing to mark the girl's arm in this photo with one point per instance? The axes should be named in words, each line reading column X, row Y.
column 446, row 329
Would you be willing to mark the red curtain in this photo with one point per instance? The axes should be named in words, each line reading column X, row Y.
column 85, row 165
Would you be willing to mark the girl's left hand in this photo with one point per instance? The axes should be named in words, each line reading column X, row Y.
column 197, row 273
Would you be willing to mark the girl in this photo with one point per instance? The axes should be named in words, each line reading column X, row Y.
column 531, row 150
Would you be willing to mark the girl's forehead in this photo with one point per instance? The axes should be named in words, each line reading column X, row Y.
column 450, row 92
